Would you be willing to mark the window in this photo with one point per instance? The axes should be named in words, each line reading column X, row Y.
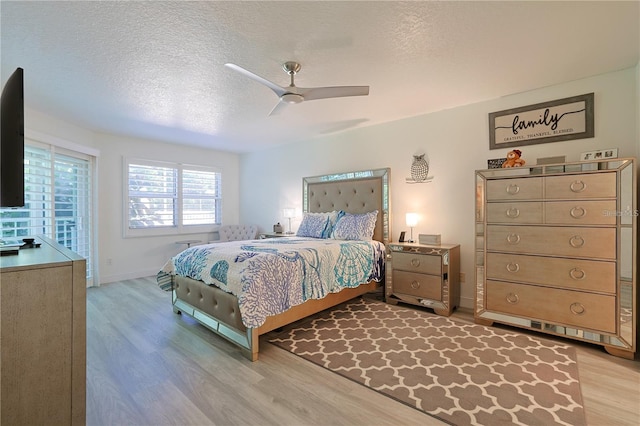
column 58, row 200
column 167, row 198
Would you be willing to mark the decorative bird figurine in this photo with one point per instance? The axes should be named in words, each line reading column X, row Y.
column 419, row 168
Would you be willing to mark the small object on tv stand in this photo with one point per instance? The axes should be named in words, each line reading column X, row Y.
column 29, row 243
column 14, row 247
column 8, row 251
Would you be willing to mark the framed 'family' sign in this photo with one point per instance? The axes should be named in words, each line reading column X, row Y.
column 559, row 120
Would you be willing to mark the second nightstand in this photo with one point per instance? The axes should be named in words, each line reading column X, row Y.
column 264, row 235
column 424, row 275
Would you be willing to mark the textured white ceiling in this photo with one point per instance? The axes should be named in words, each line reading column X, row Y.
column 156, row 69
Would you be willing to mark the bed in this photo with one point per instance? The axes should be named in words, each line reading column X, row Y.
column 213, row 299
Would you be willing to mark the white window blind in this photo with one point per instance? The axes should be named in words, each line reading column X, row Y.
column 200, row 197
column 72, row 196
column 153, row 193
column 57, row 200
column 165, row 198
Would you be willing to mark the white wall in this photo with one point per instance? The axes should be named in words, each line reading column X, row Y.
column 456, row 142
column 122, row 258
column 42, row 123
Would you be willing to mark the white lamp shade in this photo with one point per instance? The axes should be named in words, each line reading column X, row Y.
column 412, row 219
column 289, row 213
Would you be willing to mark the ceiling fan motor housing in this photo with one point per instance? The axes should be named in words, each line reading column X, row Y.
column 292, row 98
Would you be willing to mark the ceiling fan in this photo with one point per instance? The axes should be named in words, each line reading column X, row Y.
column 292, row 94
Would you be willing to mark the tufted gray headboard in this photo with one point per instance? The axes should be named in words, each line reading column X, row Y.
column 353, row 192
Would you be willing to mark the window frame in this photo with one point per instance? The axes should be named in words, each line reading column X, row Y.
column 179, row 228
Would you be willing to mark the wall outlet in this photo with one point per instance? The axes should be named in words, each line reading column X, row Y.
column 109, row 262
column 463, row 277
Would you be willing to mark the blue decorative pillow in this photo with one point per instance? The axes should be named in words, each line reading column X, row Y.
column 315, row 225
column 355, row 226
column 334, row 216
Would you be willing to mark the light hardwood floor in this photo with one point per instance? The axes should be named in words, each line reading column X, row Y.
column 149, row 366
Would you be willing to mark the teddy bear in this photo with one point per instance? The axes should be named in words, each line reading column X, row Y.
column 513, row 159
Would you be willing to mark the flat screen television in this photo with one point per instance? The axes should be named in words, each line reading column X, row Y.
column 12, row 141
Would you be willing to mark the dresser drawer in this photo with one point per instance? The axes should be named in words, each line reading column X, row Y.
column 567, row 307
column 419, row 285
column 514, row 189
column 600, row 185
column 419, row 263
column 518, row 212
column 580, row 212
column 599, row 243
column 561, row 272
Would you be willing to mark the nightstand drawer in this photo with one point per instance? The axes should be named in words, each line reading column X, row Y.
column 419, row 285
column 419, row 263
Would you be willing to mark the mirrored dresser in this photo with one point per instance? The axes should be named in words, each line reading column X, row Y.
column 556, row 250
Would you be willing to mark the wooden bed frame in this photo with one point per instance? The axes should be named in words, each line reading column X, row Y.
column 354, row 192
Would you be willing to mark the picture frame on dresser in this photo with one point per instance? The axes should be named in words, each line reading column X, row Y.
column 556, row 251
column 599, row 154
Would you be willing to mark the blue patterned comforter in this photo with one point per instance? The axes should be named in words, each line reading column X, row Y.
column 270, row 276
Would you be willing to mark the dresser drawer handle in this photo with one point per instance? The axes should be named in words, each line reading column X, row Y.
column 576, row 241
column 513, row 267
column 415, row 262
column 415, row 285
column 512, row 298
column 578, row 186
column 513, row 212
column 577, row 308
column 513, row 238
column 513, row 189
column 577, row 274
column 578, row 212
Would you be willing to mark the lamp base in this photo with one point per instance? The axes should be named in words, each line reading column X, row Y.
column 289, row 232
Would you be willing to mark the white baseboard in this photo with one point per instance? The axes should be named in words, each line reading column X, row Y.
column 105, row 279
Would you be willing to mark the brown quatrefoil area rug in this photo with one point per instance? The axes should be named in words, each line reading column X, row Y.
column 463, row 374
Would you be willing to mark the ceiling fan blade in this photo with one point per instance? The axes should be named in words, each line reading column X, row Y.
column 312, row 93
column 277, row 89
column 280, row 106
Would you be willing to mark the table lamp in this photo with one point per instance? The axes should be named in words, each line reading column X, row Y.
column 412, row 220
column 289, row 213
